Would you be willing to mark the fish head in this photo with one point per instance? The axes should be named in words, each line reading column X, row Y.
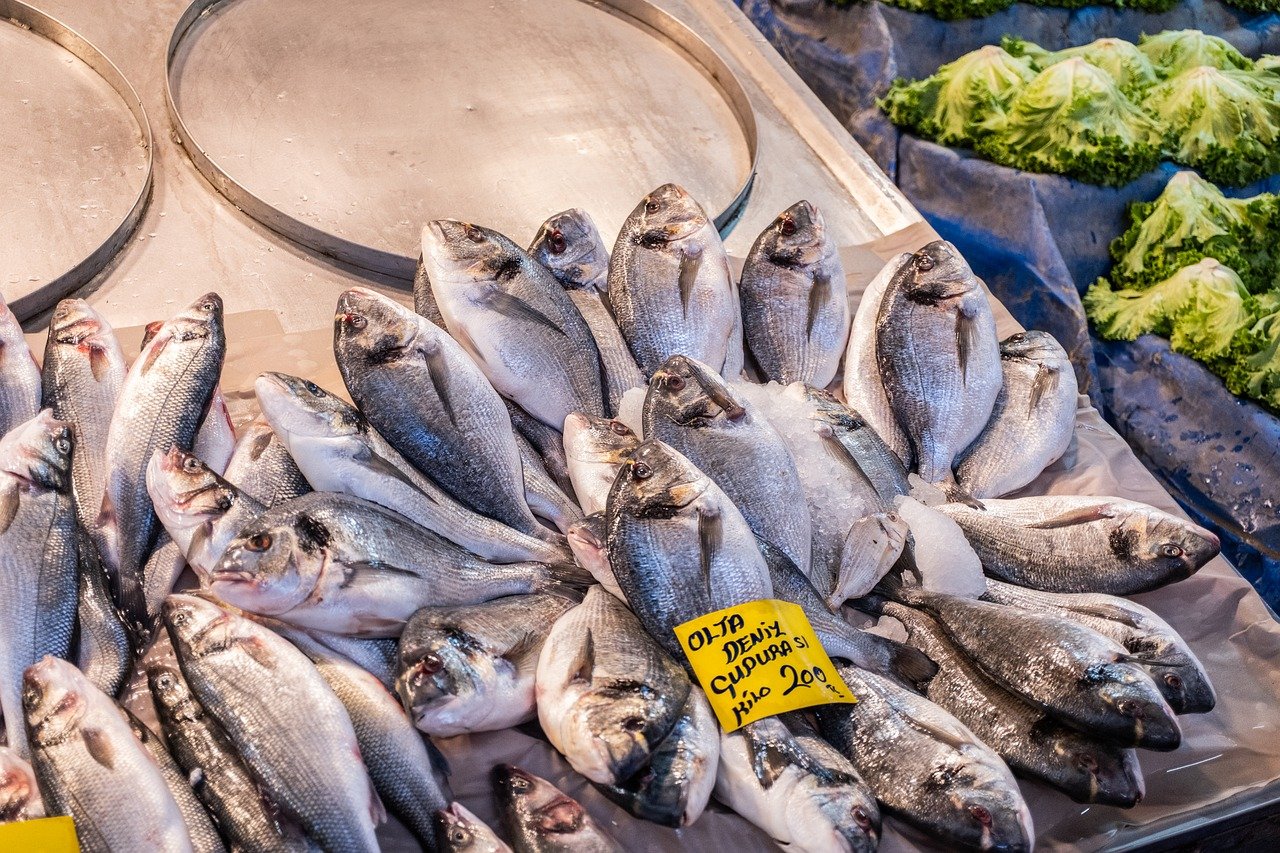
column 604, row 440
column 38, row 452
column 459, row 831
column 445, row 672
column 1111, row 775
column 1184, row 685
column 76, row 324
column 298, row 407
column 657, row 481
column 170, row 691
column 797, row 238
column 987, row 807
column 937, row 275
column 54, row 700
column 18, row 788
column 1126, row 690
column 615, row 726
column 373, row 329
column 199, row 320
column 200, row 628
column 569, row 244
column 273, row 565
column 833, row 816
column 185, row 491
column 538, row 809
column 1174, row 548
column 587, row 542
column 461, row 255
column 666, row 215
column 1034, row 347
column 687, row 392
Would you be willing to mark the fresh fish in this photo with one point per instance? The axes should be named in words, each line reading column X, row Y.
column 1087, row 769
column 431, row 402
column 84, row 369
column 1033, row 421
column 424, row 299
column 513, row 317
column 1069, row 543
column 540, row 818
column 607, row 693
column 471, row 668
column 587, row 539
column 1152, row 641
column 396, row 754
column 341, row 452
column 93, row 769
column 794, row 306
column 262, row 468
column 201, row 511
column 1063, row 668
column 218, row 776
column 926, row 767
column 287, row 725
column 939, row 357
column 547, row 442
column 19, row 791
column 693, row 410
column 161, row 403
column 863, row 384
column 865, row 449
column 103, row 651
column 569, row 245
column 200, row 829
column 801, row 791
column 596, row 448
column 332, row 562
column 39, row 534
column 676, row 785
column 678, row 546
column 670, row 285
column 19, row 375
column 541, row 492
column 459, row 831
column 216, row 439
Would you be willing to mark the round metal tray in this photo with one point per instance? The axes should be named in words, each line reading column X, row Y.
column 347, row 126
column 75, row 159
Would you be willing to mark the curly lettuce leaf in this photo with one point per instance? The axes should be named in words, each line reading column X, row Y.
column 1129, row 67
column 1269, row 64
column 1175, row 51
column 951, row 10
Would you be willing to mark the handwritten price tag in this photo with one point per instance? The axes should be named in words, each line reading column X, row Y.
column 46, row 835
column 760, row 659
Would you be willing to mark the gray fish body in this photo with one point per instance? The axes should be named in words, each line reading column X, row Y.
column 161, row 572
column 670, row 285
column 262, row 468
column 104, row 653
column 200, row 829
column 863, row 384
column 424, row 300
column 540, row 818
column 425, row 395
column 926, row 767
column 471, row 668
column 1033, row 420
column 864, row 446
column 1068, row 543
column 163, row 399
column 284, row 720
column 795, row 311
column 19, row 376
column 621, row 373
column 938, row 355
column 1087, row 769
column 93, row 769
column 1177, row 672
column 547, row 442
column 693, row 410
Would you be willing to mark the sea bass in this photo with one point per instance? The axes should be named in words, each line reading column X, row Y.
column 540, row 818
column 460, row 831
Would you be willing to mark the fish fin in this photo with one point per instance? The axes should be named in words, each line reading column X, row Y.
column 710, row 536
column 943, row 734
column 366, row 571
column 585, row 663
column 833, row 448
column 438, row 372
column 1083, row 515
column 1046, row 380
column 1102, row 610
column 909, row 665
column 99, row 363
column 9, row 501
column 260, row 653
column 517, row 309
column 767, row 760
column 525, row 650
column 152, row 355
column 821, row 285
column 690, row 263
column 98, row 743
column 957, row 494
column 387, row 468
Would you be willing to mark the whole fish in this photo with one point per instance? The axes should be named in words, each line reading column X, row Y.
column 84, row 369
column 205, row 753
column 471, row 668
column 1064, row 668
column 19, row 791
column 596, row 448
column 547, row 442
column 544, row 496
column 569, row 244
column 396, row 754
column 676, row 785
column 340, row 451
column 693, row 410
column 863, row 383
column 670, row 285
column 19, row 375
column 801, row 791
column 39, row 535
column 1152, row 641
column 93, row 769
column 104, row 652
column 939, row 357
column 262, row 468
column 164, row 397
column 216, row 439
column 795, row 310
column 1087, row 769
column 590, row 551
column 1070, row 543
column 607, row 694
column 926, row 767
column 459, row 831
column 432, row 403
column 332, row 562
column 1033, row 420
column 540, row 818
column 286, row 723
column 513, row 317
column 678, row 546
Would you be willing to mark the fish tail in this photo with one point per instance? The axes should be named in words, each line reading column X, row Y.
column 908, row 666
column 557, row 575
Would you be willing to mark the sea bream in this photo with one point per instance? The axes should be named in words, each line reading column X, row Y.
column 596, row 448
column 261, row 466
column 540, row 818
column 19, row 791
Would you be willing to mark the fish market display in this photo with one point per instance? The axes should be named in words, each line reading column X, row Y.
column 540, row 818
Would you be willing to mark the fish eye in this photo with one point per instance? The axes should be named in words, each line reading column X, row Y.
column 861, row 818
column 458, row 835
column 924, row 263
column 61, row 313
column 192, row 465
column 431, row 663
column 1173, row 680
column 519, row 783
column 207, row 305
column 673, row 383
column 633, row 724
column 641, row 471
column 651, row 206
column 1171, row 551
column 1085, row 761
column 619, row 428
column 556, row 242
column 223, row 504
column 165, row 681
column 259, row 542
column 981, row 814
column 179, row 618
column 31, row 698
column 787, row 227
column 1130, row 708
column 313, row 389
column 474, row 234
column 62, row 444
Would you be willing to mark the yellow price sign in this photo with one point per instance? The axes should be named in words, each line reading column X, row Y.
column 760, row 659
column 45, row 835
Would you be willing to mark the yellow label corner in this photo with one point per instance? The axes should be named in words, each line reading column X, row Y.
column 44, row 835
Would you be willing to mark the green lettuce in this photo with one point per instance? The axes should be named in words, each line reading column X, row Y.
column 1175, row 51
column 1129, row 67
column 1268, row 64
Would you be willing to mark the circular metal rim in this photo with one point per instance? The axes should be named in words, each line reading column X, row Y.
column 642, row 13
column 43, row 295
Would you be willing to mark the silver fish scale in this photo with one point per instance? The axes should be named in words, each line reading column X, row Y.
column 621, row 373
column 262, row 467
column 19, row 376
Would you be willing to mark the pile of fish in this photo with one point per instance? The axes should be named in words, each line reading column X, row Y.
column 249, row 641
